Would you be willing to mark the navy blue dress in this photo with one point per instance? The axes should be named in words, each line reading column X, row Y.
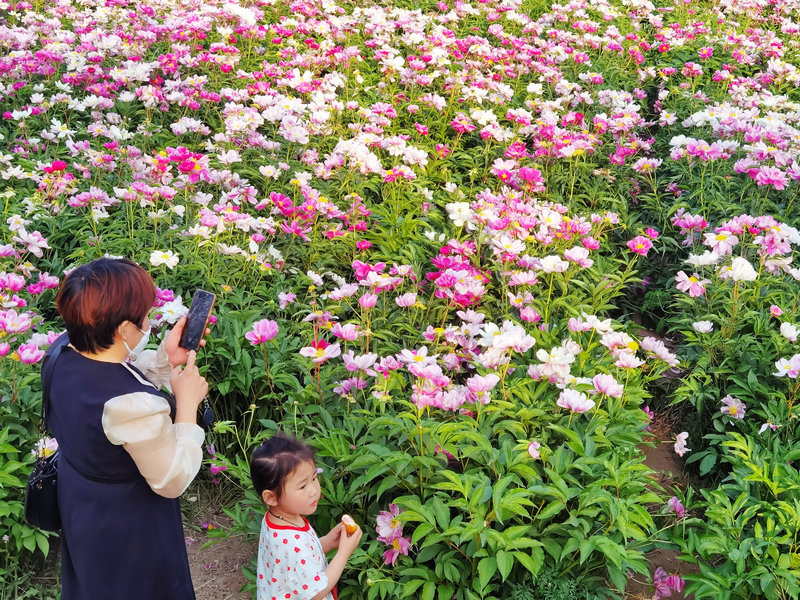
column 120, row 540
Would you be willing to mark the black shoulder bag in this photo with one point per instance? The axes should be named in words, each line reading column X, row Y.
column 41, row 498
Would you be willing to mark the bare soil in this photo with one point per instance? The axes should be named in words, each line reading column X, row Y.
column 669, row 474
column 216, row 565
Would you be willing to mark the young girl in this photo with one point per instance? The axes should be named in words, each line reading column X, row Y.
column 291, row 557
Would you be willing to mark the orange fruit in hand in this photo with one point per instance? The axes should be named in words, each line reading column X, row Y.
column 349, row 525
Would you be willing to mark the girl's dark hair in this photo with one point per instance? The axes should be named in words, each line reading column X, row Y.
column 98, row 296
column 274, row 460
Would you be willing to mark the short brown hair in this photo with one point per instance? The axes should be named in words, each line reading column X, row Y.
column 98, row 296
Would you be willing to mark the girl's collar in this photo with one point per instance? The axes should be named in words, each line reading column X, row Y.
column 281, row 525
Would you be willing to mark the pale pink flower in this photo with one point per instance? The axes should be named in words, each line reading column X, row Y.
column 606, row 384
column 348, row 332
column 775, row 311
column 406, row 300
column 703, row 326
column 533, row 450
column 733, row 407
column 363, row 362
column 388, row 523
column 580, row 256
column 368, row 300
column 788, row 367
column 481, row 386
column 721, row 243
column 575, row 401
column 262, row 331
column 694, row 285
column 680, row 444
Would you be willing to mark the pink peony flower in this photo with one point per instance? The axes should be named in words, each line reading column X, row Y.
column 30, row 354
column 606, row 384
column 693, row 285
column 262, row 332
column 640, row 245
column 320, row 351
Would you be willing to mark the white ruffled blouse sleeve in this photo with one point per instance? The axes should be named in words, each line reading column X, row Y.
column 167, row 454
column 154, row 364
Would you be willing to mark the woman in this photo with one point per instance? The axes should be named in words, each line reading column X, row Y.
column 128, row 449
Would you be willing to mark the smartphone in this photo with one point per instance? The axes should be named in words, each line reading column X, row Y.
column 197, row 319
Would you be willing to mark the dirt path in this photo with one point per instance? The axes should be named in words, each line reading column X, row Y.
column 217, row 568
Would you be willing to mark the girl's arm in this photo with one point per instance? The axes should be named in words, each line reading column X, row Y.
column 347, row 545
column 331, row 539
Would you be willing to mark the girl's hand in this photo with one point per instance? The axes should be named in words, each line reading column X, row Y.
column 349, row 543
column 331, row 539
column 175, row 354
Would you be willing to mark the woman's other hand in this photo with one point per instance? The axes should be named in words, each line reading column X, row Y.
column 175, row 354
column 189, row 388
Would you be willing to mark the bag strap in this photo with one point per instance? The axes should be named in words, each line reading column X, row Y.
column 48, row 364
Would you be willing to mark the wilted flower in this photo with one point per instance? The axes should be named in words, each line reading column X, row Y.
column 674, row 505
column 680, row 443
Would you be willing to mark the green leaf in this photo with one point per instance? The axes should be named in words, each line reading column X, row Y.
column 505, row 560
column 533, row 561
column 487, row 567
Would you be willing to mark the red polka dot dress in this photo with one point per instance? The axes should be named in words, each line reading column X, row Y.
column 291, row 564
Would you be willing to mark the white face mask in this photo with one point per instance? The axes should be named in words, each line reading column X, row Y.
column 134, row 352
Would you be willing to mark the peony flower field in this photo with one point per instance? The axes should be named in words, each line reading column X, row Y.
column 480, row 255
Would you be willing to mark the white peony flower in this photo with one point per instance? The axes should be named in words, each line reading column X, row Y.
column 164, row 257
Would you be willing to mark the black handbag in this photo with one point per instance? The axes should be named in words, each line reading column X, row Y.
column 41, row 497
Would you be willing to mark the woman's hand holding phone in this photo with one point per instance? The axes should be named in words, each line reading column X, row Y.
column 176, row 354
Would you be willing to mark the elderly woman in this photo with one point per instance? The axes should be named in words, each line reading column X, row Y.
column 128, row 449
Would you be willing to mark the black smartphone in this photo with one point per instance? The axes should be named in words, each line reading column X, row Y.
column 197, row 319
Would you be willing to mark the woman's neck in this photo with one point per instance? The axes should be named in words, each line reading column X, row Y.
column 117, row 353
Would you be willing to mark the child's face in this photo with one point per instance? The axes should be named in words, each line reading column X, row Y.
column 301, row 491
